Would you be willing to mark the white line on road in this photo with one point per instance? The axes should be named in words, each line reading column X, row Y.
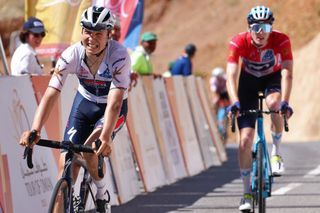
column 313, row 173
column 285, row 189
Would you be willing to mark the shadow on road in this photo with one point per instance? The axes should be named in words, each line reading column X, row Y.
column 186, row 191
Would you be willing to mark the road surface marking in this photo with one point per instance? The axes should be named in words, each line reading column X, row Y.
column 313, row 173
column 286, row 189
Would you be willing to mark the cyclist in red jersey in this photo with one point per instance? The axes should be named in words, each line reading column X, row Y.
column 267, row 66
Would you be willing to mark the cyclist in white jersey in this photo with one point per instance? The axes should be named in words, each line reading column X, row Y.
column 99, row 110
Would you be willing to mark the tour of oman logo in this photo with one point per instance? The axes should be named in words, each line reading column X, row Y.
column 5, row 190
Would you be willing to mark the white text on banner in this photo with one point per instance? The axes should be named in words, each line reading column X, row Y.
column 30, row 188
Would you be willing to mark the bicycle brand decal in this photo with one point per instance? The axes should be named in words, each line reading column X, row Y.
column 72, row 132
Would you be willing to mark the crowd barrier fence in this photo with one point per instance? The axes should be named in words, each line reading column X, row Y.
column 169, row 134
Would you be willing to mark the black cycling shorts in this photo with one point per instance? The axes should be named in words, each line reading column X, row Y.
column 85, row 116
column 249, row 87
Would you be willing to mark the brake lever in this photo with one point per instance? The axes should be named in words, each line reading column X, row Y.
column 28, row 150
column 100, row 159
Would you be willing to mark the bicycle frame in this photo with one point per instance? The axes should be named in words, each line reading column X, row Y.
column 260, row 139
column 66, row 176
column 84, row 189
column 261, row 174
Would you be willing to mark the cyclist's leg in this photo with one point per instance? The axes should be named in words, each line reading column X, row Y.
column 245, row 149
column 220, row 120
column 92, row 160
column 273, row 99
column 102, row 196
column 248, row 90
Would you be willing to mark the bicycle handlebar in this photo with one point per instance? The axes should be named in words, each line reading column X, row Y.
column 28, row 150
column 256, row 112
column 68, row 145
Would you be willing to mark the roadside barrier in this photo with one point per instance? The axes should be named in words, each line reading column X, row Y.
column 170, row 134
column 165, row 129
column 209, row 152
column 22, row 189
column 144, row 140
column 212, row 124
column 184, row 123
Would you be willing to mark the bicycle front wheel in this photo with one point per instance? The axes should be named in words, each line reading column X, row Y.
column 261, row 179
column 60, row 199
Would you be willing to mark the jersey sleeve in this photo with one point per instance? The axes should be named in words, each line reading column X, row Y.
column 234, row 50
column 121, row 69
column 285, row 46
column 66, row 64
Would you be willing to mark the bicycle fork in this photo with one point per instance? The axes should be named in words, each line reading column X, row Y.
column 267, row 174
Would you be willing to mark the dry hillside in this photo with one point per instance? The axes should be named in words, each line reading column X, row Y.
column 210, row 24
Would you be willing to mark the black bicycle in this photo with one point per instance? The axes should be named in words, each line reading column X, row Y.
column 64, row 199
column 261, row 175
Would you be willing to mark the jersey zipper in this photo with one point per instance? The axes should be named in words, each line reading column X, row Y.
column 95, row 85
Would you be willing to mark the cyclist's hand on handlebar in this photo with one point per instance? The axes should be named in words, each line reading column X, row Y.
column 104, row 149
column 24, row 139
column 233, row 109
column 285, row 109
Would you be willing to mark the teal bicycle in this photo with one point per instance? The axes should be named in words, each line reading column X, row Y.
column 261, row 175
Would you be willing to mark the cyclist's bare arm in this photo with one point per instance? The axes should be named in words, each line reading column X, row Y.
column 42, row 113
column 232, row 81
column 287, row 75
column 115, row 98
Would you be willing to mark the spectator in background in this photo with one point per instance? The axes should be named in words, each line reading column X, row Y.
column 220, row 99
column 140, row 57
column 116, row 31
column 218, row 87
column 24, row 59
column 183, row 65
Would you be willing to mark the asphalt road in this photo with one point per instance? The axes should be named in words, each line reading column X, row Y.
column 219, row 189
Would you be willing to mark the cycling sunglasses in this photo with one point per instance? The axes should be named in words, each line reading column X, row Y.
column 267, row 28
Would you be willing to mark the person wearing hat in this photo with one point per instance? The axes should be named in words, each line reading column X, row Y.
column 183, row 65
column 24, row 59
column 140, row 57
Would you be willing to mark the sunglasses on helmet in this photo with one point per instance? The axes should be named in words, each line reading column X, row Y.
column 267, row 28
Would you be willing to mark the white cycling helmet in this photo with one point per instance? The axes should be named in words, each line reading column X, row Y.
column 260, row 14
column 97, row 19
column 218, row 71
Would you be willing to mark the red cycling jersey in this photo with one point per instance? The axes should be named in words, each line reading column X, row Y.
column 264, row 61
